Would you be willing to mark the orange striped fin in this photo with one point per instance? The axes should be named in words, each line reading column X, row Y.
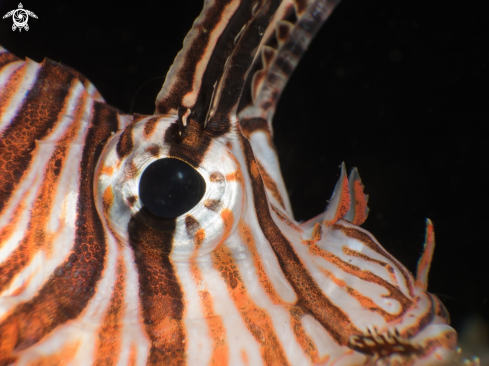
column 358, row 212
column 426, row 258
column 339, row 204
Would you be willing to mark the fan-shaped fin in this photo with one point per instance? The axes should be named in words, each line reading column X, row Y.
column 358, row 212
column 340, row 200
column 205, row 50
column 267, row 56
column 292, row 29
column 338, row 206
column 426, row 258
column 225, row 100
column 292, row 41
column 215, row 58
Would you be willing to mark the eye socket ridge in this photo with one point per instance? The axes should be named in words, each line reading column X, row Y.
column 170, row 187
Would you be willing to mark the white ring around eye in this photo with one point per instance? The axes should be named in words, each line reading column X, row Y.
column 217, row 213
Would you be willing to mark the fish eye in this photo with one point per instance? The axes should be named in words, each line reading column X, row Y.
column 170, row 187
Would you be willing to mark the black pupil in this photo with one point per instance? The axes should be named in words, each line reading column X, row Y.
column 169, row 187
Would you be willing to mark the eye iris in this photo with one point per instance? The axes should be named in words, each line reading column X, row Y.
column 169, row 187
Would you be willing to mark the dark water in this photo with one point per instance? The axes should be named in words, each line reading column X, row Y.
column 398, row 90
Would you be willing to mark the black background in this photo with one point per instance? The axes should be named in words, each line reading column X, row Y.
column 397, row 89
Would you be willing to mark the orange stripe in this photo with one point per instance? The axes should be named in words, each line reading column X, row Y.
column 387, row 266
column 307, row 344
column 228, row 220
column 8, row 90
column 247, row 237
column 132, row 355
column 286, row 220
column 65, row 295
column 363, row 300
column 234, row 176
column 160, row 292
column 107, row 198
column 107, row 170
column 220, row 353
column 364, row 275
column 109, row 337
column 63, row 357
column 36, row 237
column 256, row 319
column 425, row 260
column 365, row 239
column 360, row 204
column 244, row 357
column 296, row 313
column 270, row 185
column 38, row 114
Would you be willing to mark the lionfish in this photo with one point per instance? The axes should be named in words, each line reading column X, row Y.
column 169, row 239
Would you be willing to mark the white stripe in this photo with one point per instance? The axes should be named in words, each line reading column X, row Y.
column 198, row 344
column 5, row 74
column 29, row 77
column 172, row 76
column 133, row 332
column 328, row 348
column 19, row 230
column 279, row 316
column 238, row 336
column 41, row 155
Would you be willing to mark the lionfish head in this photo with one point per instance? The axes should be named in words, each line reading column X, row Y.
column 170, row 239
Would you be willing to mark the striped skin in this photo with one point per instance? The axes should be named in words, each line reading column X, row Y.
column 89, row 276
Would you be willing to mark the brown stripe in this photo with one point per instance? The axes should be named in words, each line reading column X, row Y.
column 153, row 150
column 440, row 309
column 422, row 321
column 213, row 205
column 69, row 289
column 364, row 301
column 192, row 147
column 109, row 336
column 250, row 125
column 271, row 185
column 150, row 126
column 160, row 293
column 217, row 331
column 387, row 266
column 217, row 177
column 11, row 87
column 125, row 145
column 285, row 219
column 7, row 58
column 256, row 319
column 394, row 292
column 191, row 225
column 301, row 336
column 36, row 117
column 211, row 18
column 365, row 239
column 36, row 237
column 238, row 66
column 246, row 236
column 310, row 295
